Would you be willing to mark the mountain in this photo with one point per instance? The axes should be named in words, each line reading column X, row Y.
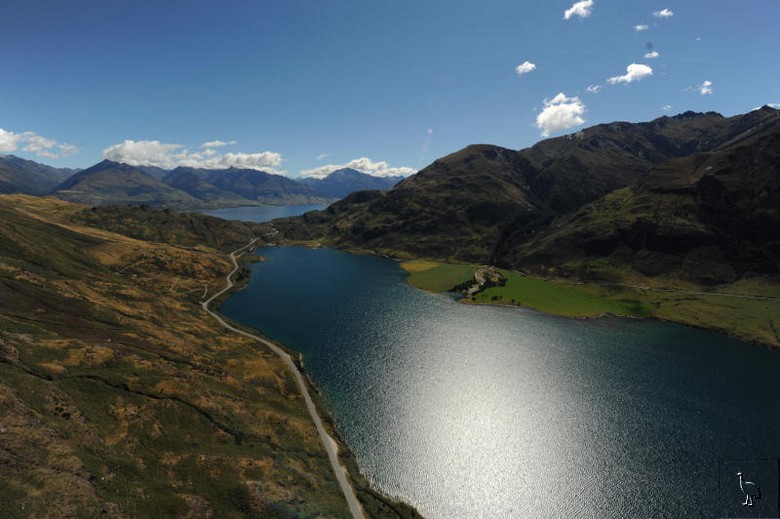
column 28, row 177
column 263, row 187
column 710, row 217
column 109, row 368
column 342, row 182
column 121, row 397
column 194, row 182
column 183, row 188
column 488, row 204
column 110, row 182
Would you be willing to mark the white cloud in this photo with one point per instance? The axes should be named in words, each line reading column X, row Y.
column 641, row 27
column 323, row 156
column 217, row 144
column 634, row 72
column 169, row 156
column 652, row 54
column 663, row 13
column 581, row 9
column 593, row 89
column 33, row 143
column 560, row 113
column 525, row 67
column 666, row 108
column 705, row 88
column 363, row 164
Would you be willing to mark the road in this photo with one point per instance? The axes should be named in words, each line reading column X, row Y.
column 327, row 441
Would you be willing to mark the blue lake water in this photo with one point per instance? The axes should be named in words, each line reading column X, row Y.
column 468, row 411
column 260, row 214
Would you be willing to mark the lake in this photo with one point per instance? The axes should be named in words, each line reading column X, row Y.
column 471, row 411
column 262, row 213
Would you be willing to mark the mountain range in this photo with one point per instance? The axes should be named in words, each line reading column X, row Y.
column 18, row 175
column 695, row 196
column 111, row 182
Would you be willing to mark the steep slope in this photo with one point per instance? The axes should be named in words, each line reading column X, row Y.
column 342, row 182
column 480, row 202
column 113, row 183
column 120, row 397
column 28, row 177
column 263, row 187
column 193, row 182
column 710, row 217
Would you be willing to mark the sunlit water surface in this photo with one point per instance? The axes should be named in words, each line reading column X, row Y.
column 468, row 411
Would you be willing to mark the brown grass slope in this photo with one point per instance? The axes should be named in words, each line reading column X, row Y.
column 120, row 398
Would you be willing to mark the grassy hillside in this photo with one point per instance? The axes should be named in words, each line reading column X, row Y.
column 121, row 398
column 748, row 309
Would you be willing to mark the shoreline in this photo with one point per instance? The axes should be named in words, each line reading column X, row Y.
column 345, row 462
column 734, row 334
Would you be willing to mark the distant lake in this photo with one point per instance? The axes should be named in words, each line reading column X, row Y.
column 472, row 411
column 260, row 214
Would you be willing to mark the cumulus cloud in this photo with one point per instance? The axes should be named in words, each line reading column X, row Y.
column 525, row 67
column 217, row 144
column 641, row 27
column 634, row 72
column 652, row 54
column 31, row 142
column 705, row 88
column 169, row 156
column 663, row 13
column 581, row 9
column 560, row 113
column 363, row 164
column 593, row 89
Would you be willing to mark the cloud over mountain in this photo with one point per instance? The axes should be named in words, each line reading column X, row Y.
column 31, row 142
column 560, row 113
column 363, row 164
column 169, row 156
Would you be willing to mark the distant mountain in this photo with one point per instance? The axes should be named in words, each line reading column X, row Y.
column 342, row 182
column 113, row 183
column 28, row 177
column 531, row 207
column 183, row 188
column 153, row 171
column 262, row 187
column 194, row 182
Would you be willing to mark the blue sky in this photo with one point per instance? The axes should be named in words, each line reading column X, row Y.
column 306, row 86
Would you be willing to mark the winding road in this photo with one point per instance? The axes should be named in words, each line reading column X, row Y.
column 327, row 441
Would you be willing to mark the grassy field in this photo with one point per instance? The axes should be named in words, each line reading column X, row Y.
column 563, row 299
column 755, row 318
column 436, row 277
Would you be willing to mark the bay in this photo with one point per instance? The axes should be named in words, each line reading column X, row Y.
column 261, row 213
column 468, row 411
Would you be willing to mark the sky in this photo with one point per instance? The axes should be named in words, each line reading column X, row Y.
column 304, row 87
